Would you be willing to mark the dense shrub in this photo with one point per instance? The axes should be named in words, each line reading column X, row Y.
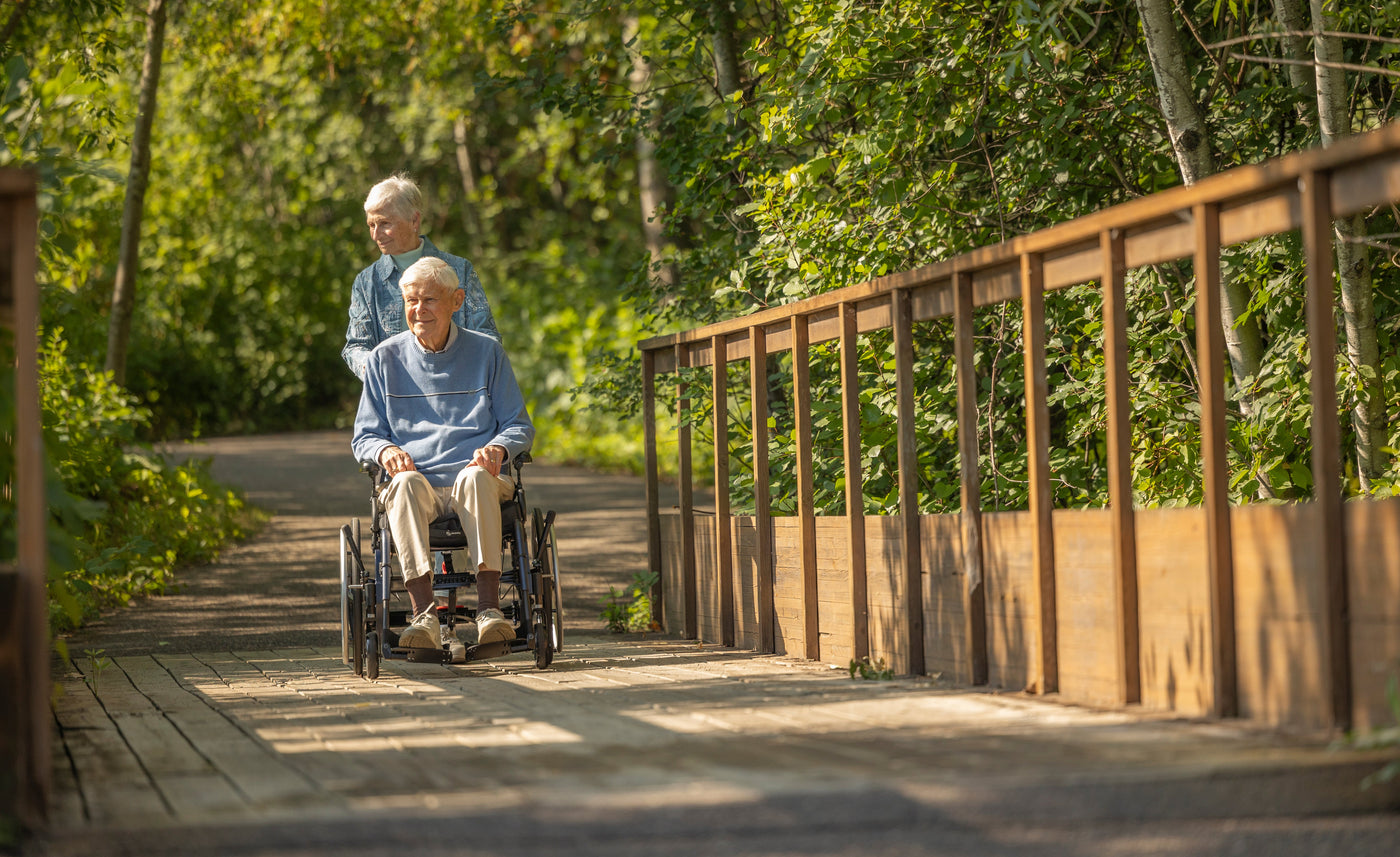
column 122, row 520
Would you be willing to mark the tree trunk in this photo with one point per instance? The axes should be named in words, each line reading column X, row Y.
column 128, row 258
column 1191, row 142
column 1353, row 262
column 1292, row 16
column 653, row 190
column 464, row 167
column 723, row 44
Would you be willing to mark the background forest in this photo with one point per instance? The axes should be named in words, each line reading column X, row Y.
column 620, row 170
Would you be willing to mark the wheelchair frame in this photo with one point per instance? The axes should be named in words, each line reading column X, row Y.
column 530, row 591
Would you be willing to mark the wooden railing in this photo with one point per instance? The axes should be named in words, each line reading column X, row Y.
column 1304, row 191
column 24, row 626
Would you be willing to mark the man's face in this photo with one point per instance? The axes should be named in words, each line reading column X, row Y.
column 392, row 233
column 428, row 308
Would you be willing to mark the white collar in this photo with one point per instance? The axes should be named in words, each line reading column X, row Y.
column 451, row 338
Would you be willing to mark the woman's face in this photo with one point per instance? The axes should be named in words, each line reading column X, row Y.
column 391, row 233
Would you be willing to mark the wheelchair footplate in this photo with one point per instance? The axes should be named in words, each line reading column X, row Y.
column 458, row 653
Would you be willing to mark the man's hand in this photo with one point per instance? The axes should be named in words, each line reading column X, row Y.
column 395, row 460
column 490, row 457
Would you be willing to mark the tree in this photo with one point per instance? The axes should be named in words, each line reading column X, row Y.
column 129, row 254
column 1353, row 261
column 1191, row 140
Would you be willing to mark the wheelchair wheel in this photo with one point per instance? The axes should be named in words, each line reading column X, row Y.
column 548, row 558
column 370, row 653
column 357, row 622
column 347, row 565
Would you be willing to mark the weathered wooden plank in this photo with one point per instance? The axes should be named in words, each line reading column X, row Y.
column 802, row 431
column 970, row 478
column 908, row 463
column 1120, row 463
column 1042, row 546
column 724, row 545
column 1013, row 612
column 1087, row 620
column 29, row 620
column 653, row 485
column 1326, row 434
column 855, row 497
column 1175, row 618
column 1280, row 622
column 189, row 783
column 1210, row 346
column 763, row 506
column 1373, row 572
column 687, row 492
column 115, row 788
column 944, row 598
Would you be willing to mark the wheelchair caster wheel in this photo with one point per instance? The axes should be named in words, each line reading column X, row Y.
column 372, row 655
column 544, row 652
column 458, row 651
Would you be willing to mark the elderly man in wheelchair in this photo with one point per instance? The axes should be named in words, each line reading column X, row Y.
column 439, row 418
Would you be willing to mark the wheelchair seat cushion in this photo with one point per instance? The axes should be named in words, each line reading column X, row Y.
column 446, row 533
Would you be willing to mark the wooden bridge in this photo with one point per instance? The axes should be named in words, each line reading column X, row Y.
column 1285, row 614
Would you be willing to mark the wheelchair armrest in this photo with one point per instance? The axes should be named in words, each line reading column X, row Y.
column 377, row 474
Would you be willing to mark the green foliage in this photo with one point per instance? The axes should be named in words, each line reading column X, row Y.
column 865, row 139
column 868, row 670
column 1379, row 739
column 121, row 518
column 97, row 663
column 630, row 610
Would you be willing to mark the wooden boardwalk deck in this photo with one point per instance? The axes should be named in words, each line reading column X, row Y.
column 226, row 724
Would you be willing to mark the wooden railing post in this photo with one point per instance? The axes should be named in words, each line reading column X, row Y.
column 658, row 612
column 25, row 647
column 724, row 525
column 689, row 583
column 855, row 496
column 912, row 558
column 975, row 594
column 1120, row 464
column 762, row 498
column 1220, row 563
column 806, row 512
column 1038, row 467
column 1326, row 436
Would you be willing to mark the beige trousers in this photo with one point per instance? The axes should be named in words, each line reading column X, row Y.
column 411, row 503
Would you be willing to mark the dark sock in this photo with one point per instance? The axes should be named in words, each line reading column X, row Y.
column 488, row 590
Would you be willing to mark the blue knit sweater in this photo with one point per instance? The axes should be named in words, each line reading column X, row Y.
column 440, row 408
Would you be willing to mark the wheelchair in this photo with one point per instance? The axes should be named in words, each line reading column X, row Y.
column 370, row 607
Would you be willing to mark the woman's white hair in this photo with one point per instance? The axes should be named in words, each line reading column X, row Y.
column 431, row 269
column 398, row 195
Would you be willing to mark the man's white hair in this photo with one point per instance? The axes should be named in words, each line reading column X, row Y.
column 431, row 269
column 398, row 195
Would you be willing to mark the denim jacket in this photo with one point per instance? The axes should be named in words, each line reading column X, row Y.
column 376, row 306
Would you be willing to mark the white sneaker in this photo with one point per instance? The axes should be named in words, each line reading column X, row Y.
column 492, row 627
column 424, row 633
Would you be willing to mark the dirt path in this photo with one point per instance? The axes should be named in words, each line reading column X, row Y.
column 280, row 589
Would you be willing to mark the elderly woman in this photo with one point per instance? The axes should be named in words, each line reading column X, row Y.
column 394, row 214
column 441, row 411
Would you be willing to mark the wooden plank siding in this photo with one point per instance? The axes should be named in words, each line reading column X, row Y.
column 1286, row 614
